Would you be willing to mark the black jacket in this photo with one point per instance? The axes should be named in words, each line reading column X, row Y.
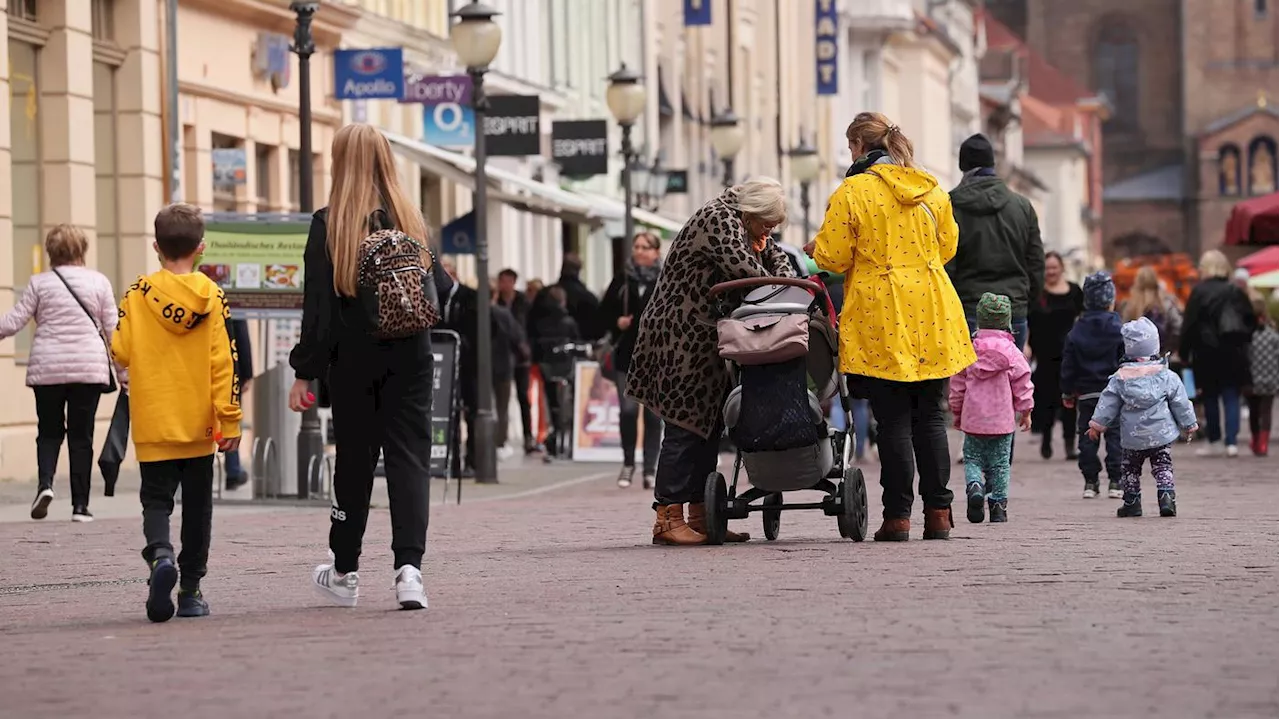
column 1092, row 353
column 1216, row 329
column 550, row 325
column 1000, row 250
column 583, row 307
column 519, row 309
column 637, row 293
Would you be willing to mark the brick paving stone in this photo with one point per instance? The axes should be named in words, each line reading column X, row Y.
column 555, row 604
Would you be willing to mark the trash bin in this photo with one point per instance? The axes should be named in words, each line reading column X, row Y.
column 275, row 450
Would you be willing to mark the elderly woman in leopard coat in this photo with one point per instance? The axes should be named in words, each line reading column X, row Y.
column 676, row 370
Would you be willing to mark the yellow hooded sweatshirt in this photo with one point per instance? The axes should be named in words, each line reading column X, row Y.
column 183, row 389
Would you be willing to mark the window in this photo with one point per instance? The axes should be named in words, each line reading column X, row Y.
column 1229, row 170
column 103, row 25
column 24, row 128
column 228, row 172
column 264, row 157
column 25, row 9
column 1115, row 73
column 1262, row 166
column 105, row 170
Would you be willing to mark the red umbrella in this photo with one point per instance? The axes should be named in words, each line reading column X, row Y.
column 1254, row 222
column 1262, row 261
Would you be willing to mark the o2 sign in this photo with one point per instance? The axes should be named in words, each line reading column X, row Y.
column 448, row 125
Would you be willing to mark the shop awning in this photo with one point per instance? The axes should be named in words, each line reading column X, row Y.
column 1255, row 221
column 1262, row 261
column 611, row 209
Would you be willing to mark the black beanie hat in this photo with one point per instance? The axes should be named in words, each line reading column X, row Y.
column 977, row 152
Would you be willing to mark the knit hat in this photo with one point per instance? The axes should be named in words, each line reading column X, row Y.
column 977, row 152
column 1141, row 339
column 1099, row 291
column 995, row 312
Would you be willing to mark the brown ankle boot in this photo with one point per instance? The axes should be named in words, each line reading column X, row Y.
column 894, row 530
column 938, row 523
column 698, row 523
column 670, row 528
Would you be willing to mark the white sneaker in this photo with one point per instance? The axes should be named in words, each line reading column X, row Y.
column 341, row 589
column 1213, row 450
column 1233, row 451
column 1089, row 493
column 409, row 590
column 506, row 452
column 40, row 507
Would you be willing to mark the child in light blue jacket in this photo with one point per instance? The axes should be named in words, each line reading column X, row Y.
column 1149, row 404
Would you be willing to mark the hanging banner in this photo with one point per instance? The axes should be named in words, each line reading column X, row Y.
column 697, row 12
column 597, row 435
column 437, row 89
column 580, row 147
column 512, row 126
column 827, row 46
column 449, row 125
column 373, row 74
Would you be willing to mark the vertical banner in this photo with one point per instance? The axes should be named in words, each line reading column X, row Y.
column 697, row 12
column 597, row 436
column 827, row 47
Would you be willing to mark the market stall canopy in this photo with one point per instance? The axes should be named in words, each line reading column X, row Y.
column 1255, row 221
column 1266, row 280
column 1262, row 261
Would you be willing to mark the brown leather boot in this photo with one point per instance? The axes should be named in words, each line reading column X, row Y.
column 698, row 523
column 894, row 530
column 670, row 528
column 938, row 523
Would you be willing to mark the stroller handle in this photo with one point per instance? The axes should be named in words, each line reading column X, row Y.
column 751, row 282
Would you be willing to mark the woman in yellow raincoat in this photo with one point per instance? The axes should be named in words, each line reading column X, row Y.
column 890, row 230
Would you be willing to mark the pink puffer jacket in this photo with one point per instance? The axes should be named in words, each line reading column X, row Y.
column 989, row 394
column 67, row 348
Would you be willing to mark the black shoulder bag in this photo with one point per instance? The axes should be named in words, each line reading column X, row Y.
column 110, row 386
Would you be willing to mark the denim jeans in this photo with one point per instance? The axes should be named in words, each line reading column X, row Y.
column 1213, row 419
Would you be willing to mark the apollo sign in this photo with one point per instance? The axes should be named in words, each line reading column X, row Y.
column 373, row 74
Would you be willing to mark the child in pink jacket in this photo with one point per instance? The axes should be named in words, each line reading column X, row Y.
column 990, row 400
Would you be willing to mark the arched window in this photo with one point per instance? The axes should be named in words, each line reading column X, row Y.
column 1115, row 71
column 1262, row 166
column 1229, row 170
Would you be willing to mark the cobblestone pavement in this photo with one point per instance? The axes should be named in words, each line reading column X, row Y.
column 555, row 604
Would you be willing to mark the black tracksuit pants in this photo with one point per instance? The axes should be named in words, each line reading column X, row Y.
column 160, row 481
column 381, row 394
column 912, row 436
column 66, row 411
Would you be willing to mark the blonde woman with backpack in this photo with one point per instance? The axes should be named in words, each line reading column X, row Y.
column 371, row 296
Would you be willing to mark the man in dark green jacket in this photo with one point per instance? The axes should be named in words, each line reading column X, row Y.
column 1000, row 249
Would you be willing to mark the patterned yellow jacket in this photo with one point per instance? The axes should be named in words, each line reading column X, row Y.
column 890, row 231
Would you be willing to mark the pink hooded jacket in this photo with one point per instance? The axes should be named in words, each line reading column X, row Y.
column 67, row 347
column 989, row 394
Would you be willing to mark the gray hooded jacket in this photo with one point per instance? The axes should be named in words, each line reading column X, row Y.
column 1148, row 402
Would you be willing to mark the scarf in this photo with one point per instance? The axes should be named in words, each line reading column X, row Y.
column 643, row 275
column 860, row 165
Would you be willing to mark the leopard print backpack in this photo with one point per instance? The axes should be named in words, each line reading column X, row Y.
column 397, row 292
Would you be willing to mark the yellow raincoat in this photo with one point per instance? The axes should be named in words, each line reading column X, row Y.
column 902, row 319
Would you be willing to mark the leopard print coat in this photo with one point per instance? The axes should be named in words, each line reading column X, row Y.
column 676, row 369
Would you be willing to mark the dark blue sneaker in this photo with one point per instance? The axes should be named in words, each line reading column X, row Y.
column 160, row 597
column 1132, row 506
column 975, row 499
column 191, row 603
column 999, row 510
column 1168, row 503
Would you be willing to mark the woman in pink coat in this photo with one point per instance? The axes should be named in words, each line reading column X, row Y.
column 990, row 399
column 75, row 313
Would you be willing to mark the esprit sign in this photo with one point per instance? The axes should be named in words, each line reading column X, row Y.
column 372, row 74
column 512, row 126
column 581, row 147
column 826, row 46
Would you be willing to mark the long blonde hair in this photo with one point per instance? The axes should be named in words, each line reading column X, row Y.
column 364, row 180
column 874, row 131
column 1144, row 296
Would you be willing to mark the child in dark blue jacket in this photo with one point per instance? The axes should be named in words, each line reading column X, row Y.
column 1093, row 351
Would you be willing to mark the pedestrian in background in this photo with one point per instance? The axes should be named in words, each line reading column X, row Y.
column 509, row 351
column 1049, row 320
column 890, row 230
column 1264, row 378
column 1146, row 404
column 518, row 303
column 991, row 399
column 380, row 389
column 552, row 329
column 623, row 303
column 582, row 303
column 185, row 401
column 68, row 367
column 1149, row 299
column 1216, row 331
column 460, row 305
column 1091, row 354
column 239, row 332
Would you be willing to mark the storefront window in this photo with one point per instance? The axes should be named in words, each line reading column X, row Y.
column 25, row 9
column 108, row 183
column 103, row 26
column 24, row 128
column 263, row 170
column 225, row 191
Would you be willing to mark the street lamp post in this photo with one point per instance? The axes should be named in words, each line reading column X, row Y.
column 658, row 176
column 310, row 441
column 727, row 138
column 625, row 98
column 805, row 167
column 476, row 39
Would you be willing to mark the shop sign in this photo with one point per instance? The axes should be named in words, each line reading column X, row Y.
column 597, row 435
column 258, row 264
column 512, row 126
column 459, row 236
column 445, row 345
column 697, row 12
column 677, row 182
column 581, row 147
column 371, row 74
column 827, row 46
column 437, row 89
column 449, row 125
column 229, row 166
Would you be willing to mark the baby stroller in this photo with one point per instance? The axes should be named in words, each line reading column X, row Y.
column 780, row 345
column 557, row 365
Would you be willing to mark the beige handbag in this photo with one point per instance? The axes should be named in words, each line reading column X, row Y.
column 764, row 339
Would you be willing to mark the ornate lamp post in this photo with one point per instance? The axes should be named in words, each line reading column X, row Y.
column 805, row 167
column 727, row 138
column 476, row 39
column 626, row 100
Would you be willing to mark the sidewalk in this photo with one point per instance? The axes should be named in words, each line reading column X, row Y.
column 517, row 477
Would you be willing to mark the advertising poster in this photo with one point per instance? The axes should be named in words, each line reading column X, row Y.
column 596, row 434
column 258, row 265
column 444, row 417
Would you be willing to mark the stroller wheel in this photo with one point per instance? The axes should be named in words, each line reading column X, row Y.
column 852, row 519
column 772, row 517
column 716, row 506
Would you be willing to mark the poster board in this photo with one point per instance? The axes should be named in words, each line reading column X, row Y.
column 446, row 346
column 257, row 260
column 597, row 436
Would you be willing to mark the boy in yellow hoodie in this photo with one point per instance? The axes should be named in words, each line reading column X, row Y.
column 185, row 400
